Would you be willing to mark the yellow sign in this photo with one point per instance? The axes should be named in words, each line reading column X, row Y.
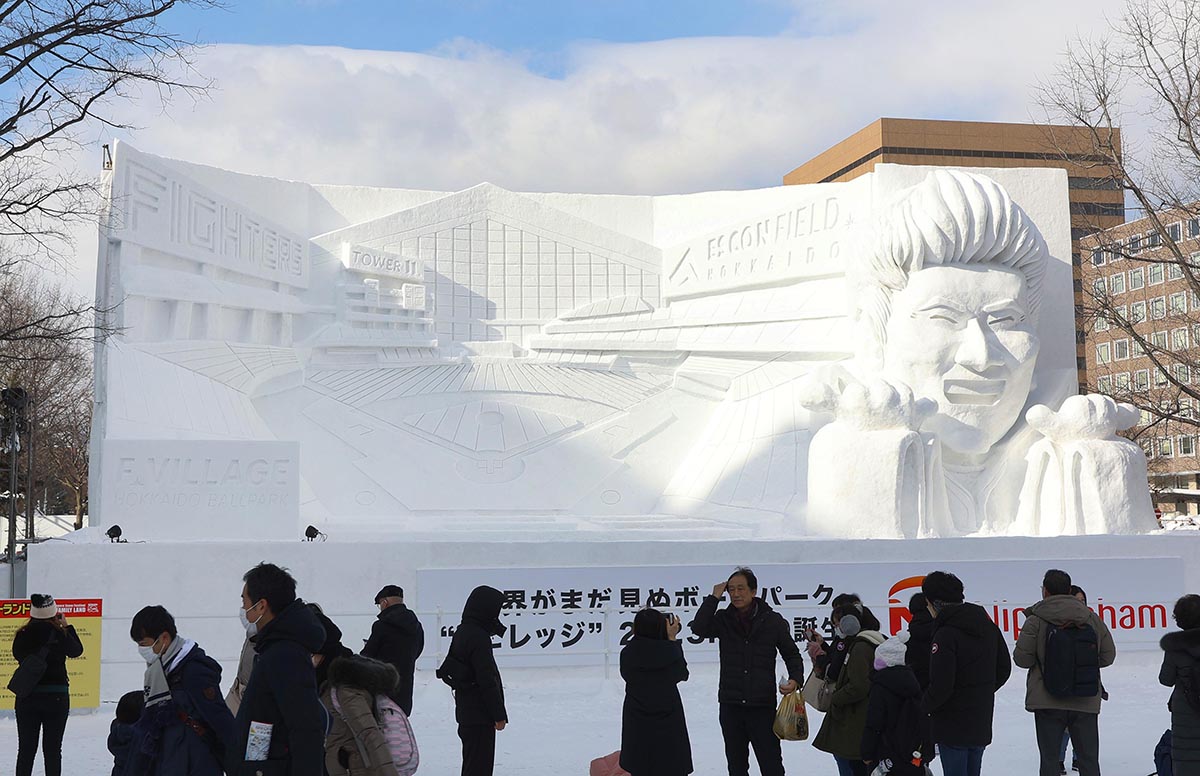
column 86, row 614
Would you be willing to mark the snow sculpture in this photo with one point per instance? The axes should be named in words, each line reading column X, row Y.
column 497, row 363
column 926, row 436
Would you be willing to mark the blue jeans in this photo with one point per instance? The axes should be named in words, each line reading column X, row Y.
column 1062, row 756
column 961, row 760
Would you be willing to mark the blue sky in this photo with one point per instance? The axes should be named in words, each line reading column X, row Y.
column 541, row 28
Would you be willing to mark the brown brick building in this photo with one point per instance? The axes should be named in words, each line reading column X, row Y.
column 1097, row 201
column 1128, row 270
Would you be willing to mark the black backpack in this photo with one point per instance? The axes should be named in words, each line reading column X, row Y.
column 1071, row 667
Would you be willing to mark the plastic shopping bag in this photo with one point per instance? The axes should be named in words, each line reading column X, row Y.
column 791, row 719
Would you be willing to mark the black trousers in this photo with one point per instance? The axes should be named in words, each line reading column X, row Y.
column 1085, row 740
column 478, row 749
column 744, row 727
column 41, row 715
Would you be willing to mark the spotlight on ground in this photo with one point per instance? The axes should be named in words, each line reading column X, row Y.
column 311, row 533
column 114, row 534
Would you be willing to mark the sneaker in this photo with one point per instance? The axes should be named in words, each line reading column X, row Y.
column 1074, row 765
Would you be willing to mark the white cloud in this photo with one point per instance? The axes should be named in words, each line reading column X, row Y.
column 668, row 116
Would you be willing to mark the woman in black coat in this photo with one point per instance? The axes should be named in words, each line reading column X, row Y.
column 1181, row 670
column 654, row 736
column 43, row 713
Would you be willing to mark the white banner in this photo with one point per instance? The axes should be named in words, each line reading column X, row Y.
column 582, row 616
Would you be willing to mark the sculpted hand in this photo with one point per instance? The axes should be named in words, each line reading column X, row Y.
column 870, row 405
column 1082, row 417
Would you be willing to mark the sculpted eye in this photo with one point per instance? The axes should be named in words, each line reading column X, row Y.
column 1005, row 320
column 943, row 317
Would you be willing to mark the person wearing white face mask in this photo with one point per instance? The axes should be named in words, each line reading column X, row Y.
column 281, row 724
column 185, row 728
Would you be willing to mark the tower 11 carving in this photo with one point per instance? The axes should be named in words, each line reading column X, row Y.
column 891, row 357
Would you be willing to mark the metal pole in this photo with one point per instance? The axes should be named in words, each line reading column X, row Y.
column 29, row 478
column 12, row 520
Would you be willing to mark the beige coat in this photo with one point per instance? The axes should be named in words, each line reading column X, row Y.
column 355, row 733
column 1030, row 650
column 245, row 665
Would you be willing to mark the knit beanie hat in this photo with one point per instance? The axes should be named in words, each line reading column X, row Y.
column 42, row 607
column 891, row 652
column 849, row 626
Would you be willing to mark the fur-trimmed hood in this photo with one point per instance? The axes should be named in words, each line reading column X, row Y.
column 374, row 676
column 1182, row 641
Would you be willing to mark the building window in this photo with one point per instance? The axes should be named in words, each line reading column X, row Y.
column 1104, row 384
column 1103, row 353
column 1137, row 278
column 1177, row 304
column 1098, row 257
column 1185, row 407
column 1121, row 381
column 1153, row 239
column 1159, row 340
column 1137, row 312
column 1194, row 227
column 1175, row 231
column 1186, row 446
column 1116, row 284
column 1135, row 243
column 1102, row 323
column 1160, row 376
column 1137, row 348
column 1155, row 273
column 1175, row 272
column 1181, row 373
column 1165, row 447
column 1099, row 288
column 1141, row 380
column 1196, row 332
column 1120, row 350
column 1179, row 339
column 1158, row 308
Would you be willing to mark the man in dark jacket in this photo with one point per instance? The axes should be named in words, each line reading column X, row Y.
column 185, row 728
column 968, row 663
column 470, row 670
column 749, row 634
column 1055, row 714
column 280, row 727
column 397, row 638
column 920, row 639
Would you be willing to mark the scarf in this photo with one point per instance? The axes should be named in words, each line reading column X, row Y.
column 159, row 711
column 157, row 689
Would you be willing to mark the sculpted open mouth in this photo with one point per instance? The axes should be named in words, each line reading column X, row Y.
column 982, row 393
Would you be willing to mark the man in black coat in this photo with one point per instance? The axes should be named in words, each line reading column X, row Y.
column 470, row 670
column 282, row 691
column 749, row 634
column 397, row 638
column 920, row 638
column 968, row 663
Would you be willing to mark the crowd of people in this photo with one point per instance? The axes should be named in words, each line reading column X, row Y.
column 304, row 704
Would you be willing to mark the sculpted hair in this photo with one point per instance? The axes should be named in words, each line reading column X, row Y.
column 951, row 217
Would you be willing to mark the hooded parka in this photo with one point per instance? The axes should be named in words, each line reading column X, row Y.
column 968, row 663
column 479, row 700
column 282, row 692
column 1181, row 668
column 1064, row 611
column 654, row 735
column 358, row 681
column 841, row 732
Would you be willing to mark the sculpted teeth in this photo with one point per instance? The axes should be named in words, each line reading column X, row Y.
column 976, row 392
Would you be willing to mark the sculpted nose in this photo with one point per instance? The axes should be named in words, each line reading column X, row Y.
column 978, row 350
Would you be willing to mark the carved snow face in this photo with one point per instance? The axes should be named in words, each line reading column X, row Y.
column 963, row 337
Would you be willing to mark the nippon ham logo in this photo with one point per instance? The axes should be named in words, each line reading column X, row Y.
column 898, row 614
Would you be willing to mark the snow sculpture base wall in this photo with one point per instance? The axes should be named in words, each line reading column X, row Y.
column 392, row 361
column 1136, row 579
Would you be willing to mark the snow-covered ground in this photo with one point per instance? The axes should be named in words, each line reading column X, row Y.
column 562, row 718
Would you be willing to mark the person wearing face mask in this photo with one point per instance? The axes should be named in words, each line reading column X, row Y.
column 185, row 728
column 281, row 724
